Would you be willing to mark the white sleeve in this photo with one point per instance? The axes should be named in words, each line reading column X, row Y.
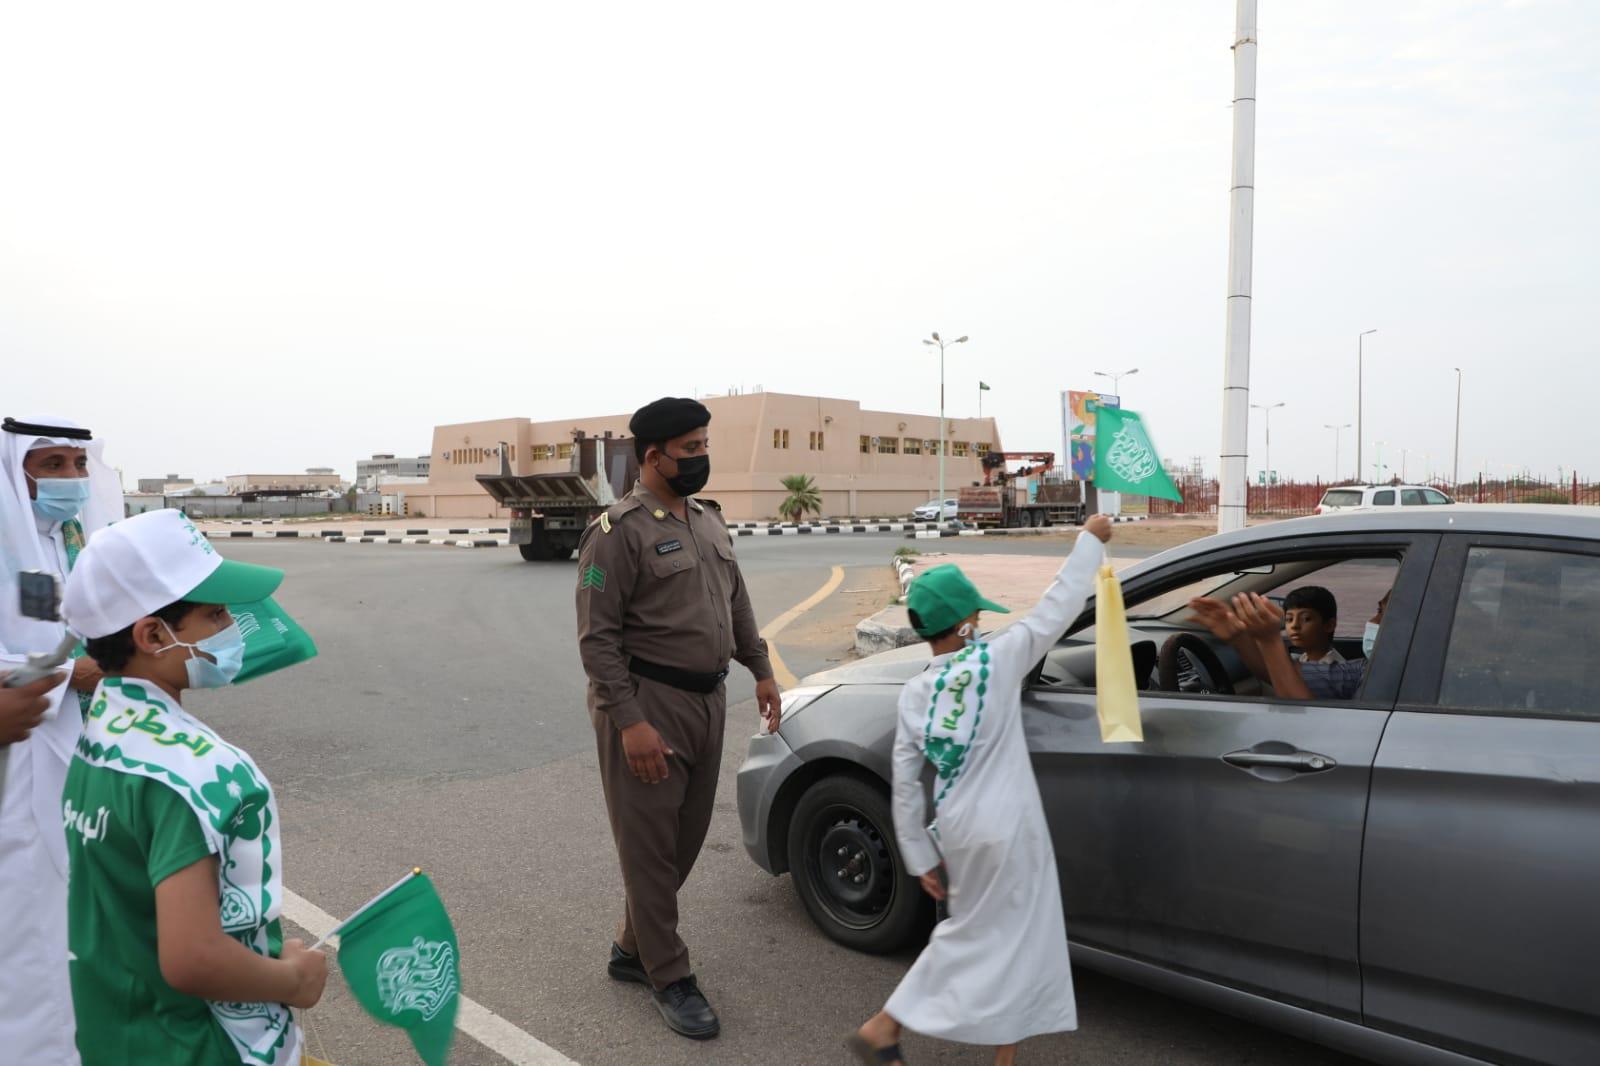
column 917, row 848
column 1017, row 647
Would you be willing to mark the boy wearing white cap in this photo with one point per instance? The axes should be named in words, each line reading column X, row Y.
column 176, row 880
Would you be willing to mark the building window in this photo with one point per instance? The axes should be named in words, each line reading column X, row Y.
column 888, row 445
column 816, row 440
column 981, row 449
column 563, row 451
column 542, row 452
column 866, row 444
column 958, row 448
column 780, row 438
column 933, row 447
column 913, row 446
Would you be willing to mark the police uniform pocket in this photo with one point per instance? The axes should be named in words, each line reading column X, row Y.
column 678, row 562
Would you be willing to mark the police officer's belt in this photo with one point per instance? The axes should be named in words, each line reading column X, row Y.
column 688, row 680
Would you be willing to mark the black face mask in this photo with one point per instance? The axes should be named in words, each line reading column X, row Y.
column 693, row 473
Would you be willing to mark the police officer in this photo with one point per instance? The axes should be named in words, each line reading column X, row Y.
column 662, row 608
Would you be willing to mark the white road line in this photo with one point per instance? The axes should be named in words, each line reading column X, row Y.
column 473, row 1018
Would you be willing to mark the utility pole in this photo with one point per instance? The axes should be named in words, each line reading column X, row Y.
column 1116, row 379
column 944, row 442
column 1336, row 431
column 1455, row 475
column 1266, row 414
column 1233, row 500
column 1360, row 393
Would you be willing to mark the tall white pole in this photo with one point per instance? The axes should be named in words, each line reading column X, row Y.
column 1241, row 221
column 943, row 445
column 1455, row 470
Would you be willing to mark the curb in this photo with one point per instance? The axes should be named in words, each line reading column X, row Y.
column 791, row 531
column 338, row 534
column 903, row 572
column 445, row 543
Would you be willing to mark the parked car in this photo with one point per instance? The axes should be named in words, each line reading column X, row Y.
column 929, row 512
column 1358, row 497
column 1410, row 875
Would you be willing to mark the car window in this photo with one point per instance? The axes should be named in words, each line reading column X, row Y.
column 1412, row 498
column 1383, row 499
column 1519, row 640
column 1342, row 498
column 1434, row 496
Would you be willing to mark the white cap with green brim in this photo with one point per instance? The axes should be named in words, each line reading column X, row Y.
column 138, row 566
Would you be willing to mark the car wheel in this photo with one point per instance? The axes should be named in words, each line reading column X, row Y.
column 847, row 869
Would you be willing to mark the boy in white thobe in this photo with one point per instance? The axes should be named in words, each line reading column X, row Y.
column 996, row 971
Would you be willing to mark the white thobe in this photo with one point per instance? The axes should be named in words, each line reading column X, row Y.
column 996, row 971
column 36, row 1018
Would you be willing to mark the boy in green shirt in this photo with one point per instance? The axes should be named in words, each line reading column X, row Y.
column 175, row 866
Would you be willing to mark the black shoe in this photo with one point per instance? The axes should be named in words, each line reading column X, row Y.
column 686, row 1010
column 625, row 967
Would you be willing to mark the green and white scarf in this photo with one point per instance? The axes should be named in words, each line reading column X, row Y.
column 133, row 729
column 955, row 711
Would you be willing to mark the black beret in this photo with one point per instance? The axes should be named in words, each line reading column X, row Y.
column 666, row 418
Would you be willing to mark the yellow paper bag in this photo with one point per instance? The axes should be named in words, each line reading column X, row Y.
column 1116, row 694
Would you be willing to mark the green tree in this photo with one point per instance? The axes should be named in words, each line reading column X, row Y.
column 803, row 497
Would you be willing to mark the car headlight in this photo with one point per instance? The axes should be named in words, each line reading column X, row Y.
column 797, row 699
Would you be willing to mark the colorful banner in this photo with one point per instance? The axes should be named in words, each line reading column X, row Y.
column 1078, row 424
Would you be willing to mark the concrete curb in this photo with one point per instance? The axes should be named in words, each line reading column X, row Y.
column 903, row 572
column 890, row 628
column 444, row 543
column 338, row 534
column 792, row 531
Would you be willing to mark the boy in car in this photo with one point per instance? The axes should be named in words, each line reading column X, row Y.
column 1310, row 616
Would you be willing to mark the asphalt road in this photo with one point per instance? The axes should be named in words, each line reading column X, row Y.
column 443, row 726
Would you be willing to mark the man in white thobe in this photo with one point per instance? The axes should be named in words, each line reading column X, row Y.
column 55, row 493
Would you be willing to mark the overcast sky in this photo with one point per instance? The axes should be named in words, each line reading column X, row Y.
column 260, row 238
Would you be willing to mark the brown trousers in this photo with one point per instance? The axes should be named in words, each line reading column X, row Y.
column 659, row 828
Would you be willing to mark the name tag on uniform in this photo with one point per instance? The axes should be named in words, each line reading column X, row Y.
column 667, row 547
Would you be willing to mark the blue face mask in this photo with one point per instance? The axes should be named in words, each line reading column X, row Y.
column 225, row 646
column 60, row 498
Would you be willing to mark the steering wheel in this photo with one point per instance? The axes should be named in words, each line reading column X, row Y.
column 1186, row 654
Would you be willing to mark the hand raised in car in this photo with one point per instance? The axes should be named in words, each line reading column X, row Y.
column 1100, row 527
column 1217, row 617
column 1262, row 619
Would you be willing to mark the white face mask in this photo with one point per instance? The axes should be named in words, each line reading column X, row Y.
column 1369, row 639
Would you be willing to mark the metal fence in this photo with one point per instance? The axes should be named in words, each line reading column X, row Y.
column 235, row 507
column 1289, row 498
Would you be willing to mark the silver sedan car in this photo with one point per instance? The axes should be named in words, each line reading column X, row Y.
column 1410, row 874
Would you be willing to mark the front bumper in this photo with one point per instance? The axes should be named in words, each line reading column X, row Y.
column 767, row 765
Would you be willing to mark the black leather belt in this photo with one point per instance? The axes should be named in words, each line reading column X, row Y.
column 688, row 680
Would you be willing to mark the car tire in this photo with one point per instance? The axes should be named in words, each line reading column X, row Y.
column 847, row 869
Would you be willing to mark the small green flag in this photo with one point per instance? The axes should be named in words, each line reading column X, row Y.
column 982, row 387
column 272, row 640
column 399, row 956
column 1125, row 458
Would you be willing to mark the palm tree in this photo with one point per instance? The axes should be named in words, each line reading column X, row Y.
column 803, row 496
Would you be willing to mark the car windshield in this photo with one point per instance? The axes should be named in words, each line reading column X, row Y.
column 1342, row 498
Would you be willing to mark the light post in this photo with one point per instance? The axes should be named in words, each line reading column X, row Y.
column 1116, row 379
column 1360, row 390
column 944, row 444
column 1336, row 431
column 1266, row 410
column 1455, row 470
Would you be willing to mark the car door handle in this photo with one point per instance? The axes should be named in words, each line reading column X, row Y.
column 1300, row 762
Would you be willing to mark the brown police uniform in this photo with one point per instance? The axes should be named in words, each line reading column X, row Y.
column 662, row 608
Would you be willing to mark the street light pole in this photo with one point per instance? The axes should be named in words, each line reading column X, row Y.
column 944, row 443
column 1234, row 495
column 1116, row 379
column 1336, row 430
column 1455, row 474
column 1266, row 414
column 1360, row 392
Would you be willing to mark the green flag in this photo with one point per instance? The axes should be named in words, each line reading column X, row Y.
column 1125, row 458
column 399, row 956
column 272, row 640
column 982, row 387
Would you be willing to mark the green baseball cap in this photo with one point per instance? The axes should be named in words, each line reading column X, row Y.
column 942, row 596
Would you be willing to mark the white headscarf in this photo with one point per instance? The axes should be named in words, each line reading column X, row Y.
column 20, row 547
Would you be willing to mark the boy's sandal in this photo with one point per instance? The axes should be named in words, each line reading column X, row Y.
column 874, row 1056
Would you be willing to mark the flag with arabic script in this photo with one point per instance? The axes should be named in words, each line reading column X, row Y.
column 1125, row 458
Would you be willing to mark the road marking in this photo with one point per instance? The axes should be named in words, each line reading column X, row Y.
column 780, row 670
column 473, row 1018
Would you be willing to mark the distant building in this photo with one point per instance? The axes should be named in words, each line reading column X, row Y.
column 384, row 469
column 315, row 481
column 863, row 462
column 164, row 485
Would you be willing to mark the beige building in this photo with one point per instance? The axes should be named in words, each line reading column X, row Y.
column 319, row 480
column 864, row 462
